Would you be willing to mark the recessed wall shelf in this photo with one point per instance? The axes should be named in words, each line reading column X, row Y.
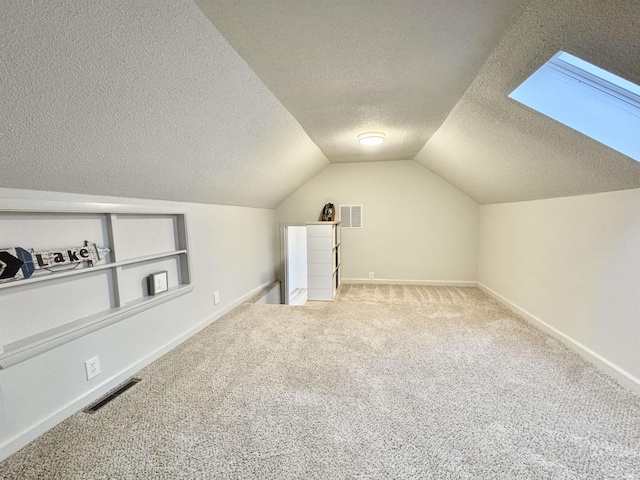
column 33, row 317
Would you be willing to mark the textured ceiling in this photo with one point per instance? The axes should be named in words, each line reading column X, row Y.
column 345, row 67
column 497, row 150
column 148, row 99
column 140, row 99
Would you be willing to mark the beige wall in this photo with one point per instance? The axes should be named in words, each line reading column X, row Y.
column 574, row 263
column 232, row 250
column 416, row 225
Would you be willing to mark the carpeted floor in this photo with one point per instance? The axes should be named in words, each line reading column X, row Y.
column 387, row 382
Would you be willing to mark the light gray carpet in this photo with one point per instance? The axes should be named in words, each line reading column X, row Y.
column 385, row 382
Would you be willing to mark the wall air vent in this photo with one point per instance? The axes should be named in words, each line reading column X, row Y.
column 351, row 216
column 588, row 99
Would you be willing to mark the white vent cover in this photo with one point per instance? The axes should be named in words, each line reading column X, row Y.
column 351, row 216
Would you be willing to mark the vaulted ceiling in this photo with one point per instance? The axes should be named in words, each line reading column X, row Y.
column 346, row 67
column 497, row 150
column 241, row 103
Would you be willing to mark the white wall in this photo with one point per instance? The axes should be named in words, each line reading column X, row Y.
column 232, row 249
column 297, row 257
column 574, row 263
column 302, row 258
column 417, row 227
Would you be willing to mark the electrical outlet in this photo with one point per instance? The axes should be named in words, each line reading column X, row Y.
column 92, row 366
column 216, row 297
column 371, row 276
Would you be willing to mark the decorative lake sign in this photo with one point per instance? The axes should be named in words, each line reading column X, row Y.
column 18, row 263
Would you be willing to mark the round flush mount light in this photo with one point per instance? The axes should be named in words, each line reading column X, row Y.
column 371, row 138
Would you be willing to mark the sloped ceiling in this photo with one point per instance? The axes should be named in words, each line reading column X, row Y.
column 149, row 100
column 347, row 67
column 140, row 99
column 497, row 150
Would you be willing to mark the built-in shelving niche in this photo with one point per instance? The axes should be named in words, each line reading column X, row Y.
column 50, row 309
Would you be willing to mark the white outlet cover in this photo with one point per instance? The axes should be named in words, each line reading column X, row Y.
column 92, row 367
column 216, row 297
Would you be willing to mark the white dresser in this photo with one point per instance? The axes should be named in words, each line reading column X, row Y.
column 323, row 259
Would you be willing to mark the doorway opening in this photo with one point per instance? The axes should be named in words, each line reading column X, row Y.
column 295, row 265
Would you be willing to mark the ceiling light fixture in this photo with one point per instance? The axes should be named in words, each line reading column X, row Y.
column 371, row 138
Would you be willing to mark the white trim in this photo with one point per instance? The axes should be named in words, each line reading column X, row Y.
column 22, row 205
column 429, row 283
column 29, row 347
column 607, row 366
column 31, row 433
column 299, row 298
column 89, row 270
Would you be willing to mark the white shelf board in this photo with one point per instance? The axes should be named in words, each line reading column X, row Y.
column 28, row 347
column 27, row 205
column 97, row 268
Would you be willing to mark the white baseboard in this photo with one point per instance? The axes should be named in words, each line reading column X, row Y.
column 25, row 437
column 429, row 283
column 608, row 367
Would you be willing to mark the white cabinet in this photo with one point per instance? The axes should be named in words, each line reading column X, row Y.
column 323, row 259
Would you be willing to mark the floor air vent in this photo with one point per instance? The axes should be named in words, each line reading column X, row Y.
column 94, row 407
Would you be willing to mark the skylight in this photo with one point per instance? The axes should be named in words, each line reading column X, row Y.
column 588, row 99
